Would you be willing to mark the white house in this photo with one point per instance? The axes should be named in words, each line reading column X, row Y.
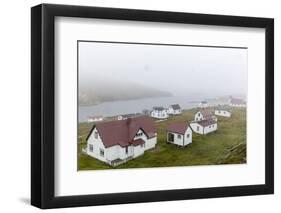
column 204, row 126
column 116, row 142
column 126, row 116
column 204, row 114
column 203, row 104
column 179, row 134
column 237, row 102
column 223, row 111
column 174, row 109
column 94, row 119
column 159, row 112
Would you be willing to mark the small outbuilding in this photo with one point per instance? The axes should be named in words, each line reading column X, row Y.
column 174, row 109
column 179, row 133
column 204, row 127
column 223, row 111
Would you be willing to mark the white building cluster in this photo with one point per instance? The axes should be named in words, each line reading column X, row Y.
column 160, row 112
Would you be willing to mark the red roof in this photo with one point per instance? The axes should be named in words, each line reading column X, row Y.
column 178, row 127
column 206, row 113
column 122, row 132
column 206, row 122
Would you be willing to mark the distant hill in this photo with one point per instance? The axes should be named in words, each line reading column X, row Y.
column 92, row 92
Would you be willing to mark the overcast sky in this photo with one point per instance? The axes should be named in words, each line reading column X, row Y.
column 176, row 69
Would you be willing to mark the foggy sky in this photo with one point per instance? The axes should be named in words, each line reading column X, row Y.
column 175, row 69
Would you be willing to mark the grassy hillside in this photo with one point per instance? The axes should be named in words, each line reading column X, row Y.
column 225, row 146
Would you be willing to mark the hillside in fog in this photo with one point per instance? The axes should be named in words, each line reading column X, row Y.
column 95, row 91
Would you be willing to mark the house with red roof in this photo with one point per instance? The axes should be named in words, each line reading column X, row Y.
column 204, row 114
column 204, row 127
column 115, row 142
column 179, row 133
column 204, row 122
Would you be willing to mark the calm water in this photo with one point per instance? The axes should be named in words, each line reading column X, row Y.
column 134, row 106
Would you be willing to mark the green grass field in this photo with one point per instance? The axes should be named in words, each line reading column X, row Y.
column 225, row 146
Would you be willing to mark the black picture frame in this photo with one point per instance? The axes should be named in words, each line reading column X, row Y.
column 43, row 102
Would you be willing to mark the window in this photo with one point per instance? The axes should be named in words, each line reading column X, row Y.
column 91, row 148
column 139, row 134
column 101, row 152
column 126, row 150
column 96, row 135
column 179, row 136
column 142, row 145
column 197, row 128
column 188, row 135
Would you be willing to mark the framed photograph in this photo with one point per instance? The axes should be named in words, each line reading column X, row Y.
column 136, row 106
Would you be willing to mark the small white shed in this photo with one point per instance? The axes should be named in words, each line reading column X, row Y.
column 179, row 134
column 224, row 112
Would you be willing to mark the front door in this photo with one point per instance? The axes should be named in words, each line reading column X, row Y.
column 171, row 137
